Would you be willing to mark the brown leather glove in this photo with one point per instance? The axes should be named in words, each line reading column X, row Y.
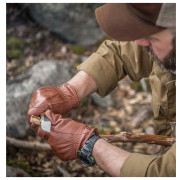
column 60, row 100
column 67, row 136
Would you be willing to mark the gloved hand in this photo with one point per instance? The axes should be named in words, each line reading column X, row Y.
column 60, row 100
column 67, row 136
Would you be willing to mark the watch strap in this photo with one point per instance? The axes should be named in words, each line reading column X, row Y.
column 85, row 154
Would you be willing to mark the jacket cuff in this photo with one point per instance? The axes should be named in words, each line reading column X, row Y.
column 102, row 72
column 136, row 165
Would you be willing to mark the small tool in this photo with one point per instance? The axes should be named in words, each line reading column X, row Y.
column 124, row 137
column 42, row 121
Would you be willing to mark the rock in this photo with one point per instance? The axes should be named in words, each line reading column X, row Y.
column 44, row 73
column 73, row 22
column 103, row 102
column 15, row 172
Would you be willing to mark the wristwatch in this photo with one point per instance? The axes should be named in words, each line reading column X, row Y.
column 85, row 154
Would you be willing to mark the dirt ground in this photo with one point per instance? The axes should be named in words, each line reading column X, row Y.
column 29, row 43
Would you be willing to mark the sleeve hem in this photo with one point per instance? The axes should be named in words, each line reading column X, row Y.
column 102, row 73
column 136, row 165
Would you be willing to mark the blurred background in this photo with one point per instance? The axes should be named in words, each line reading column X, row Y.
column 45, row 44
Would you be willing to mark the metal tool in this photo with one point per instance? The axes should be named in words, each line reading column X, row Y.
column 45, row 123
column 42, row 121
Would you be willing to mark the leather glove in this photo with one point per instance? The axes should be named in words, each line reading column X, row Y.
column 66, row 136
column 60, row 100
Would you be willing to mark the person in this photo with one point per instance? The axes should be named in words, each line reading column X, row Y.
column 144, row 45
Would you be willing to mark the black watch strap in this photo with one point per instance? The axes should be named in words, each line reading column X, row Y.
column 85, row 154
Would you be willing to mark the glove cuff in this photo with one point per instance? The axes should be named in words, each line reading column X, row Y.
column 75, row 95
column 70, row 94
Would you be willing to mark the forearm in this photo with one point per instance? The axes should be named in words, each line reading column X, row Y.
column 83, row 84
column 110, row 158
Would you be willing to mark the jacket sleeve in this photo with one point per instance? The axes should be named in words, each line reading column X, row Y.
column 140, row 165
column 113, row 61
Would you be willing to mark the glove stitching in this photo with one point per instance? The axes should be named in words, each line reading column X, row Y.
column 74, row 92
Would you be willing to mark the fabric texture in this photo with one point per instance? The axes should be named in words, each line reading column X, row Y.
column 112, row 62
column 140, row 165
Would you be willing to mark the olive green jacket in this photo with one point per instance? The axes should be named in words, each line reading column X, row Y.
column 111, row 63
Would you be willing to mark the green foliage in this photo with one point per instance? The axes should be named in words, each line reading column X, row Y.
column 20, row 164
column 77, row 49
column 14, row 54
column 14, row 47
column 15, row 43
column 115, row 132
column 101, row 131
column 137, row 86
